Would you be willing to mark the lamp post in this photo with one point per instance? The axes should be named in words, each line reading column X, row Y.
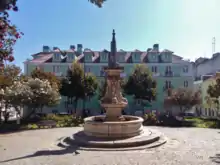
column 84, row 104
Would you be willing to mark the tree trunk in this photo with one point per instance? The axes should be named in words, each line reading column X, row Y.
column 0, row 115
column 33, row 110
column 6, row 114
column 75, row 104
column 18, row 114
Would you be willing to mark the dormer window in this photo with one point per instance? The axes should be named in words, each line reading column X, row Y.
column 56, row 56
column 185, row 69
column 104, row 56
column 154, row 69
column 70, row 56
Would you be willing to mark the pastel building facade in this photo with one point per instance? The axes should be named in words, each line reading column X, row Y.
column 207, row 108
column 168, row 69
column 206, row 66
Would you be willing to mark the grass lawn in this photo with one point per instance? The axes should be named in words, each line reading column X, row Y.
column 49, row 121
column 204, row 123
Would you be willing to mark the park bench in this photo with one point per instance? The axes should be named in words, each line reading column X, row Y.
column 47, row 123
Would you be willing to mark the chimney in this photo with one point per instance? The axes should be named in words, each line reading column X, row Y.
column 149, row 49
column 46, row 49
column 72, row 47
column 79, row 48
column 156, row 47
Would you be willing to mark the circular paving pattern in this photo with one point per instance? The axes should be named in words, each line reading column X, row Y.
column 185, row 146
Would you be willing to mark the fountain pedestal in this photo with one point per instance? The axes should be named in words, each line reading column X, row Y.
column 113, row 102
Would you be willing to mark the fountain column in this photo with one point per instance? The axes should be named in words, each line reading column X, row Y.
column 113, row 101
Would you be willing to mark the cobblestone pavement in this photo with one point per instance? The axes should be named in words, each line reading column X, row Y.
column 185, row 146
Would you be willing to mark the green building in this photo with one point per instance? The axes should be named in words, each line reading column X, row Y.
column 169, row 70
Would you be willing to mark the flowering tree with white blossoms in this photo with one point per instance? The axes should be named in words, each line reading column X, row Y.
column 33, row 93
column 18, row 95
column 42, row 94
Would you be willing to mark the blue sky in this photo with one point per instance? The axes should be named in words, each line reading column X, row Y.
column 183, row 26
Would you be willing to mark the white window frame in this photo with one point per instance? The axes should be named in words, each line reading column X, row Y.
column 186, row 84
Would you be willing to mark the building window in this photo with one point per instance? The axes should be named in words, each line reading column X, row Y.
column 56, row 69
column 168, row 84
column 154, row 69
column 87, row 69
column 104, row 56
column 88, row 98
column 121, row 58
column 70, row 56
column 102, row 72
column 185, row 83
column 185, row 69
column 138, row 101
column 57, row 56
column 168, row 68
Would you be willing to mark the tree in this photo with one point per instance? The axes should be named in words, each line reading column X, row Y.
column 43, row 94
column 38, row 73
column 18, row 95
column 7, row 76
column 214, row 93
column 98, row 3
column 77, row 86
column 184, row 98
column 140, row 84
column 8, row 32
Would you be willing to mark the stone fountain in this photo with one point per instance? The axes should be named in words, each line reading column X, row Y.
column 114, row 130
column 113, row 124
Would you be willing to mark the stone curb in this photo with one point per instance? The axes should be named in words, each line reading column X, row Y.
column 156, row 139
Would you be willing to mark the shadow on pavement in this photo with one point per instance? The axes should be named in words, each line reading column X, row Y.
column 67, row 150
column 215, row 159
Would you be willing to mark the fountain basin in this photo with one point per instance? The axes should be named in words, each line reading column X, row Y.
column 130, row 127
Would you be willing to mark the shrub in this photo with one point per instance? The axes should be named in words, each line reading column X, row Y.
column 64, row 120
column 150, row 119
column 169, row 120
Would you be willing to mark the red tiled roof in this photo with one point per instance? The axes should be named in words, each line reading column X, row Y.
column 143, row 56
column 80, row 58
column 42, row 58
column 127, row 56
column 136, row 50
column 166, row 50
column 95, row 58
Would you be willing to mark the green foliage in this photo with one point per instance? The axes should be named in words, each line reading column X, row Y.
column 38, row 73
column 140, row 84
column 32, row 126
column 65, row 120
column 214, row 93
column 150, row 119
column 98, row 3
column 204, row 123
column 184, row 98
column 8, row 75
column 77, row 85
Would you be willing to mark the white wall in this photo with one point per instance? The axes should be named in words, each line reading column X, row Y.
column 208, row 66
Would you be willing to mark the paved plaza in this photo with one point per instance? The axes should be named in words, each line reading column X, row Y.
column 185, row 146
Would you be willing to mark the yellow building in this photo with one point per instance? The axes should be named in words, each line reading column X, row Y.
column 207, row 108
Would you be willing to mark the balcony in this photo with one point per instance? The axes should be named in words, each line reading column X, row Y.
column 167, row 87
column 58, row 74
column 156, row 74
column 169, row 74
